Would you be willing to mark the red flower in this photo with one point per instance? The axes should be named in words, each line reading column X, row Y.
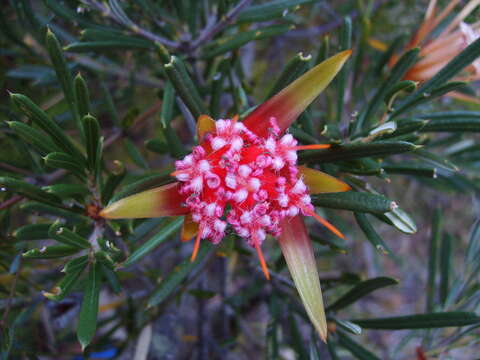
column 245, row 174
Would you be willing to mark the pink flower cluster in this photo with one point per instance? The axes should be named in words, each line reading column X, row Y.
column 236, row 177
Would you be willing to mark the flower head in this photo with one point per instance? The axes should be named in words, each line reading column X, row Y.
column 244, row 175
column 438, row 50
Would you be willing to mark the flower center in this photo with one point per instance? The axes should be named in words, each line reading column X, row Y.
column 236, row 177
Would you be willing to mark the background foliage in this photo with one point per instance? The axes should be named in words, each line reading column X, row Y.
column 99, row 97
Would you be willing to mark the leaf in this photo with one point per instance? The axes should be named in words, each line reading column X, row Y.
column 32, row 232
column 67, row 214
column 87, row 320
column 294, row 68
column 345, row 43
column 164, row 233
column 420, row 321
column 113, row 180
column 28, row 190
column 60, row 160
column 457, row 64
column 360, row 290
column 348, row 326
column 104, row 45
column 171, row 282
column 43, row 121
column 354, row 201
column 51, row 252
column 433, row 258
column 34, row 137
column 92, row 136
column 63, row 73
column 183, row 84
column 411, row 169
column 68, row 282
column 396, row 74
column 358, row 150
column 232, row 42
column 67, row 190
column 401, row 220
column 82, row 96
column 356, row 349
column 445, row 266
column 452, row 125
column 371, row 234
column 63, row 235
column 269, row 11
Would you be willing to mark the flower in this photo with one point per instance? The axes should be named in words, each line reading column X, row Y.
column 245, row 175
column 438, row 50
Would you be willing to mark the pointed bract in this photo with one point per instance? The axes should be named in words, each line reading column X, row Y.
column 319, row 182
column 205, row 124
column 289, row 103
column 160, row 201
column 298, row 252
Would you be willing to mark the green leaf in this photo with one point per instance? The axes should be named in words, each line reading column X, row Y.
column 28, row 190
column 342, row 77
column 113, row 180
column 177, row 275
column 435, row 159
column 60, row 160
column 360, row 290
column 356, row 349
column 420, row 321
column 32, row 232
column 158, row 146
column 371, row 234
column 433, row 258
column 134, row 153
column 354, row 201
column 51, row 252
column 112, row 278
column 92, row 136
column 37, row 207
column 411, row 169
column 457, row 64
column 61, row 234
column 397, row 73
column 43, row 121
column 406, row 126
column 183, row 84
column 294, row 69
column 34, row 137
column 445, row 266
column 401, row 220
column 348, row 326
column 82, row 96
column 452, row 125
column 100, row 46
column 168, row 100
column 232, row 42
column 68, row 281
column 357, row 150
column 67, row 190
column 87, row 320
column 164, row 233
column 63, row 73
column 269, row 10
column 74, row 264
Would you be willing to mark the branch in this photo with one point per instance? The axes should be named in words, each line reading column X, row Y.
column 210, row 31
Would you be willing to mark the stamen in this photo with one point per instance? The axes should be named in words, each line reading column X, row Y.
column 324, row 222
column 263, row 264
column 197, row 244
column 311, row 147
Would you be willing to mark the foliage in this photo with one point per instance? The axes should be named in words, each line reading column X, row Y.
column 103, row 95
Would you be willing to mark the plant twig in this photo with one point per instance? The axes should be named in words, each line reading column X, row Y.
column 210, row 31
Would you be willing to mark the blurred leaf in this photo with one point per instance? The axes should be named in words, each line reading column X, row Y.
column 354, row 201
column 465, row 58
column 61, row 234
column 420, row 321
column 170, row 283
column 371, row 234
column 87, row 320
column 445, row 266
column 356, row 349
column 294, row 68
column 232, row 42
column 32, row 232
column 28, row 190
column 433, row 258
column 51, row 252
column 269, row 11
column 348, row 326
column 148, row 246
column 34, row 137
column 357, row 150
column 360, row 290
